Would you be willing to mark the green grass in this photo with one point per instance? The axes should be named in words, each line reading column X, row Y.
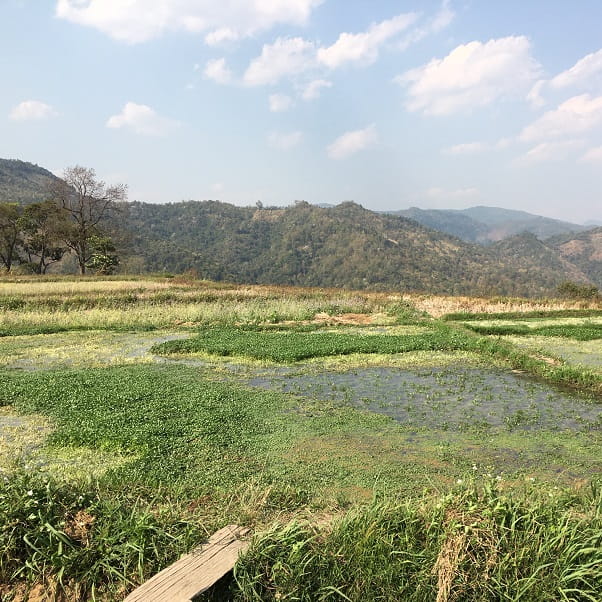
column 87, row 541
column 475, row 543
column 581, row 332
column 525, row 315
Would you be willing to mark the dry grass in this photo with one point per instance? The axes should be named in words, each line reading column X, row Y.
column 38, row 288
column 438, row 305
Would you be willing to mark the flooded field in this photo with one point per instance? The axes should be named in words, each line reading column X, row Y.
column 582, row 353
column 457, row 398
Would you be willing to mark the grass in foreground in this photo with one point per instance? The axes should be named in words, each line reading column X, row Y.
column 472, row 544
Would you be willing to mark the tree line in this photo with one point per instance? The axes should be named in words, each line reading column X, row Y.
column 74, row 219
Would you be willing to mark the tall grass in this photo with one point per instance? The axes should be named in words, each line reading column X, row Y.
column 85, row 542
column 473, row 544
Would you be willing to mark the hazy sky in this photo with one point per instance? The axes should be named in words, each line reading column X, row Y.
column 390, row 103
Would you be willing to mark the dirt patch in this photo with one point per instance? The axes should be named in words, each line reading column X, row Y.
column 548, row 360
column 351, row 319
column 79, row 527
column 572, row 248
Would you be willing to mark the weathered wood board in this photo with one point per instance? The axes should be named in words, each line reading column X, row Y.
column 196, row 572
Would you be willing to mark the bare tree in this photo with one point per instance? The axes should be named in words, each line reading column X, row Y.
column 87, row 202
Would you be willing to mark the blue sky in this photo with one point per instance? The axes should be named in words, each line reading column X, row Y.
column 436, row 104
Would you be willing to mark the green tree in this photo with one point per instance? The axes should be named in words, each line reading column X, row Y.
column 103, row 259
column 87, row 203
column 10, row 234
column 43, row 226
column 574, row 290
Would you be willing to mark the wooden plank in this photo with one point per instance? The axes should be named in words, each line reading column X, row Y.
column 196, row 572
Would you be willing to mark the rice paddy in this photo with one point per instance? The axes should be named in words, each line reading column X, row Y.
column 161, row 410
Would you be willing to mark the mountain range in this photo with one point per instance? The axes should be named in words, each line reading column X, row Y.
column 434, row 251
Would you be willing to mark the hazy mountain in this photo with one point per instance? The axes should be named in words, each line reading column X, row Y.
column 488, row 224
column 22, row 182
column 449, row 221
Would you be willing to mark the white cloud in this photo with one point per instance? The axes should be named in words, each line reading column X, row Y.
column 593, row 155
column 364, row 47
column 284, row 141
column 353, row 142
column 585, row 73
column 550, row 151
column 467, row 148
column 135, row 21
column 577, row 115
column 580, row 73
column 314, row 89
column 32, row 110
column 535, row 96
column 141, row 119
column 452, row 195
column 217, row 70
column 221, row 36
column 286, row 56
column 471, row 75
column 439, row 22
column 280, row 103
column 443, row 18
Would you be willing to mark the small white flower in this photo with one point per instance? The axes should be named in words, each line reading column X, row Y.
column 30, row 493
column 474, row 466
column 459, row 482
column 498, row 478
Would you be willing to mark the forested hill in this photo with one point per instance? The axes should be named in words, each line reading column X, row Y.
column 343, row 246
column 336, row 246
column 22, row 182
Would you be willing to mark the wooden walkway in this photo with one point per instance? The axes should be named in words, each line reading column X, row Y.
column 196, row 572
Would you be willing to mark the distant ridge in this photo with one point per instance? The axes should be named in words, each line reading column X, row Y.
column 488, row 224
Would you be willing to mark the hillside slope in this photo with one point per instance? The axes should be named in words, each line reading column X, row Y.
column 22, row 182
column 584, row 250
column 344, row 246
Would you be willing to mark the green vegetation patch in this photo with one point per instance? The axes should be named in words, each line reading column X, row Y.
column 181, row 427
column 581, row 332
column 292, row 346
column 522, row 315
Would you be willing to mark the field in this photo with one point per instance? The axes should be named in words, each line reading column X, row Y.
column 380, row 446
